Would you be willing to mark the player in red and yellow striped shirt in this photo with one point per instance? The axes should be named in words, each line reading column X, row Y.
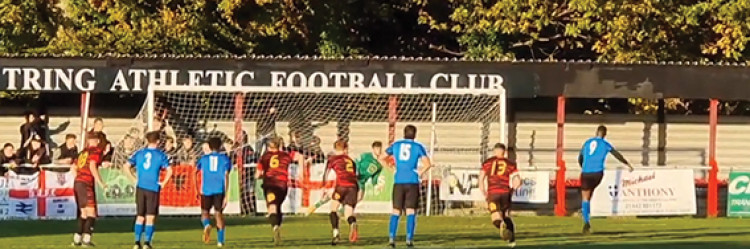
column 497, row 180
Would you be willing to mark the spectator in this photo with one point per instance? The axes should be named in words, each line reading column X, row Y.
column 294, row 142
column 228, row 147
column 30, row 128
column 315, row 152
column 42, row 127
column 34, row 155
column 104, row 144
column 169, row 146
column 205, row 149
column 164, row 131
column 187, row 153
column 8, row 159
column 127, row 146
column 248, row 153
column 46, row 132
column 68, row 151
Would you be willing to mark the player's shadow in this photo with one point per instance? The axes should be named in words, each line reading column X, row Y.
column 21, row 228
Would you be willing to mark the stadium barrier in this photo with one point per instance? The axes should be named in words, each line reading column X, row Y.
column 48, row 194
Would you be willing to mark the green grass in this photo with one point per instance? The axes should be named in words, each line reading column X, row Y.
column 432, row 232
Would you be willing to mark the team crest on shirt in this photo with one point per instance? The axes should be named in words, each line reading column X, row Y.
column 372, row 168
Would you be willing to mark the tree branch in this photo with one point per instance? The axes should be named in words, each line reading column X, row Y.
column 445, row 50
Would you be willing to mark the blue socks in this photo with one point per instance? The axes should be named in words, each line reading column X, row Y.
column 586, row 211
column 393, row 226
column 220, row 236
column 411, row 224
column 149, row 233
column 138, row 229
column 205, row 222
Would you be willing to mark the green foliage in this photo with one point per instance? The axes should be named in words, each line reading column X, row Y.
column 26, row 25
column 626, row 30
column 147, row 27
column 622, row 30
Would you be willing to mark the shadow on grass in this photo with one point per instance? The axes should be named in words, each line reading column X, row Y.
column 25, row 228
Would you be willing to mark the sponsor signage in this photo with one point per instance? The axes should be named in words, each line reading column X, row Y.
column 738, row 194
column 134, row 79
column 645, row 193
column 463, row 185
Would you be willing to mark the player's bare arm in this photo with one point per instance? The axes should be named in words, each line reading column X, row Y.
column 197, row 183
column 620, row 158
column 516, row 181
column 226, row 190
column 95, row 173
column 301, row 159
column 483, row 183
column 580, row 159
column 426, row 165
column 259, row 171
column 73, row 168
column 127, row 168
column 325, row 178
column 167, row 176
column 384, row 160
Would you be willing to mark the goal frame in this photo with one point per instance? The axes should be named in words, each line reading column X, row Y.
column 240, row 92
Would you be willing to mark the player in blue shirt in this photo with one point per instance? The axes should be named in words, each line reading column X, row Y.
column 407, row 155
column 592, row 158
column 149, row 162
column 214, row 187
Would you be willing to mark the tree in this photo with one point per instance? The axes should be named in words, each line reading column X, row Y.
column 147, row 27
column 625, row 30
column 27, row 25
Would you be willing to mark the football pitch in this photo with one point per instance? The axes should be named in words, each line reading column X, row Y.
column 432, row 232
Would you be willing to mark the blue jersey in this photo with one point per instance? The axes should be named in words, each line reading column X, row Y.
column 594, row 153
column 214, row 167
column 148, row 164
column 407, row 153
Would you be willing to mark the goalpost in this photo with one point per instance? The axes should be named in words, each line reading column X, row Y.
column 457, row 126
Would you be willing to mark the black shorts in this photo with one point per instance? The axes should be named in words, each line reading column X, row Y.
column 346, row 195
column 589, row 181
column 405, row 196
column 85, row 195
column 146, row 202
column 275, row 194
column 212, row 201
column 499, row 202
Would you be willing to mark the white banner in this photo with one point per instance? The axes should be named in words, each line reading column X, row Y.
column 17, row 181
column 645, row 192
column 534, row 188
column 53, row 180
column 4, row 198
column 463, row 185
column 460, row 185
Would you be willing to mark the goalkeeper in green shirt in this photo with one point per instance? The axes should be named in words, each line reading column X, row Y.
column 368, row 169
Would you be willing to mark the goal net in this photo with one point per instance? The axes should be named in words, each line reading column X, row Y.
column 457, row 129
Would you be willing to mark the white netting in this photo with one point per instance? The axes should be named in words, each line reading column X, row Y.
column 466, row 126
